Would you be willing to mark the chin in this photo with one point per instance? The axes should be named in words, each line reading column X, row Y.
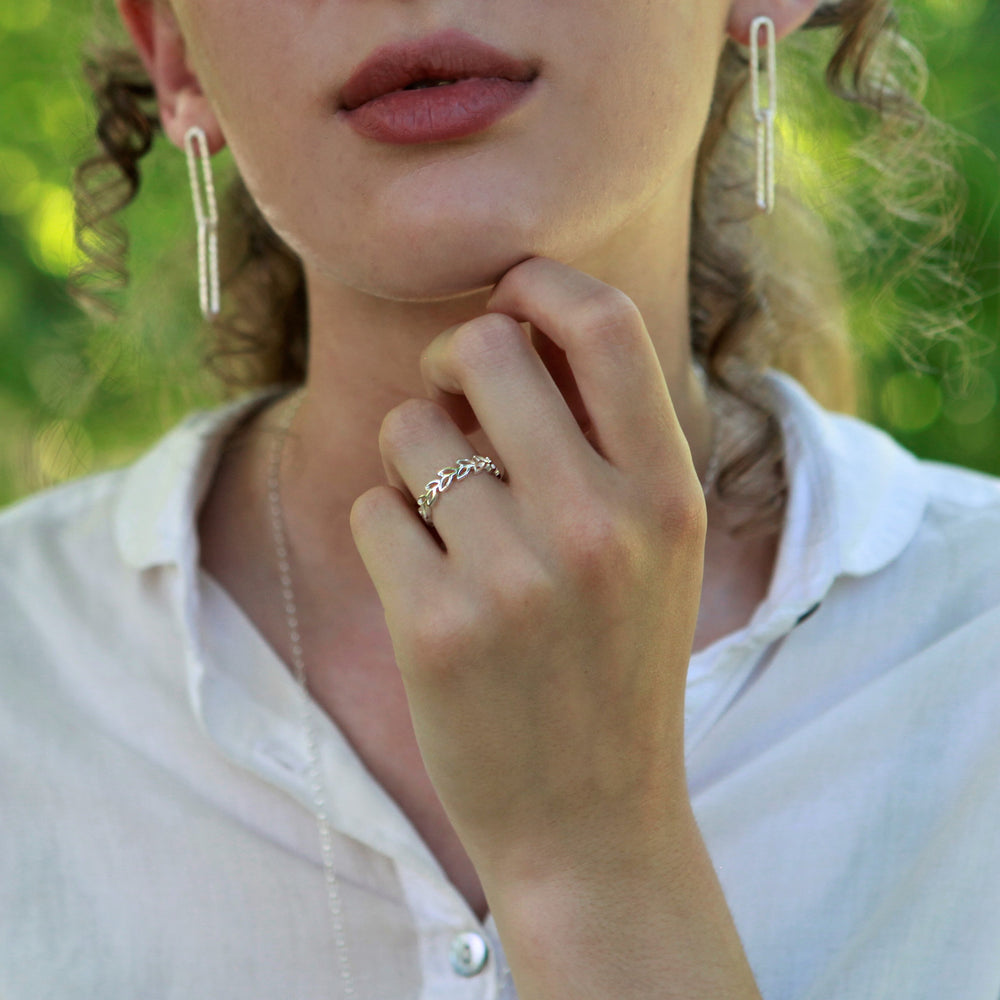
column 426, row 266
column 434, row 281
column 440, row 233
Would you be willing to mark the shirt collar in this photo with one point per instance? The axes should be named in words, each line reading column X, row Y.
column 155, row 518
column 855, row 500
column 856, row 497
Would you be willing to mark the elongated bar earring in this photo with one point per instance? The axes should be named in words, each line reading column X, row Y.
column 764, row 113
column 207, row 215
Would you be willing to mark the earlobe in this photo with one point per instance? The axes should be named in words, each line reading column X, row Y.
column 161, row 47
column 787, row 15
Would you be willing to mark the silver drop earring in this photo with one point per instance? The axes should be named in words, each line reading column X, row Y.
column 207, row 216
column 764, row 113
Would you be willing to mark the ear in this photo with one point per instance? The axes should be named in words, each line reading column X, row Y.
column 160, row 44
column 788, row 15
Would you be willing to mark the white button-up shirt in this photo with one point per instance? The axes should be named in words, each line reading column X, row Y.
column 156, row 829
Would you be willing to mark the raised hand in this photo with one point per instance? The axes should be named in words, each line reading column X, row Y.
column 543, row 632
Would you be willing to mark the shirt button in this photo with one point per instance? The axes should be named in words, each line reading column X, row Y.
column 468, row 953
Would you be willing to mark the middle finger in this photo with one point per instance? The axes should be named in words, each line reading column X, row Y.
column 492, row 363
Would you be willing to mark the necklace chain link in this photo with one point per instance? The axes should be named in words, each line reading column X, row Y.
column 324, row 827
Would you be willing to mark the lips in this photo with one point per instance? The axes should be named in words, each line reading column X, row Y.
column 449, row 55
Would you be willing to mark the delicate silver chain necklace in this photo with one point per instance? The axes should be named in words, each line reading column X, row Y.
column 280, row 535
column 325, row 828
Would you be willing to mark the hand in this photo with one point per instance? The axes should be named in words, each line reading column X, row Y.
column 543, row 632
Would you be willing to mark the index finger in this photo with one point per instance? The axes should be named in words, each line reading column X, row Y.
column 611, row 355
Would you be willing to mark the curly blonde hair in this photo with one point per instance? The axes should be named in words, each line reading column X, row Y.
column 758, row 297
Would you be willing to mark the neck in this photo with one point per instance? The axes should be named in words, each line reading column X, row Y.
column 364, row 360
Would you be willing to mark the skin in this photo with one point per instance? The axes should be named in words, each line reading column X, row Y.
column 515, row 681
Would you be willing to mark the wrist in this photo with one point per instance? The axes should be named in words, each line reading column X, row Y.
column 606, row 846
column 631, row 924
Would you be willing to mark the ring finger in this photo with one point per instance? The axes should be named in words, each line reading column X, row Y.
column 419, row 441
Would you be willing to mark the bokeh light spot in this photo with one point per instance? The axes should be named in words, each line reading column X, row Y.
column 51, row 231
column 960, row 13
column 911, row 401
column 976, row 402
column 24, row 15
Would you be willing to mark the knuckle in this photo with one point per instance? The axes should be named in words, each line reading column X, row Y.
column 609, row 317
column 599, row 547
column 517, row 284
column 682, row 514
column 490, row 342
column 409, row 424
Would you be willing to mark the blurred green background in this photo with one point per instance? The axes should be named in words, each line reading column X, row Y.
column 76, row 396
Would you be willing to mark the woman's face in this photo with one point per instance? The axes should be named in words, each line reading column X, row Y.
column 608, row 130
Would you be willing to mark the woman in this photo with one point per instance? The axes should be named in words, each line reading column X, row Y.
column 570, row 731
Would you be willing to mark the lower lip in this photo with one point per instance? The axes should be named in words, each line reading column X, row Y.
column 437, row 114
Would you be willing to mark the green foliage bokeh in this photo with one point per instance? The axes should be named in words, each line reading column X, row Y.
column 76, row 396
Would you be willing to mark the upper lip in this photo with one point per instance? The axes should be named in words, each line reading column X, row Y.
column 446, row 55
